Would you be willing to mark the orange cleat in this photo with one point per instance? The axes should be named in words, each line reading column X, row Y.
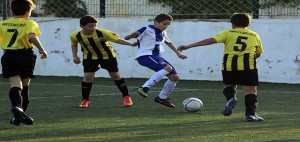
column 127, row 101
column 84, row 104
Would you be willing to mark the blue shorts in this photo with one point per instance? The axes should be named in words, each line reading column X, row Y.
column 155, row 63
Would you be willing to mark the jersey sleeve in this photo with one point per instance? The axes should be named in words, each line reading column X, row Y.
column 110, row 36
column 73, row 38
column 221, row 37
column 166, row 38
column 33, row 28
column 259, row 48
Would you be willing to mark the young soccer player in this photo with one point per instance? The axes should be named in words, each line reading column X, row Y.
column 17, row 37
column 150, row 39
column 97, row 50
column 242, row 48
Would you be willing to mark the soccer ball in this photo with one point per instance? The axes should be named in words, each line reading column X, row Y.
column 192, row 104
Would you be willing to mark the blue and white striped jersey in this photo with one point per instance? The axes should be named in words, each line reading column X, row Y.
column 150, row 41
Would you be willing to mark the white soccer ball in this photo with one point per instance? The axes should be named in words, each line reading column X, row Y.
column 192, row 104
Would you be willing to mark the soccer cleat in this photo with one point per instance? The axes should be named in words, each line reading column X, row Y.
column 229, row 107
column 127, row 101
column 27, row 120
column 15, row 121
column 254, row 118
column 20, row 117
column 143, row 91
column 84, row 104
column 164, row 102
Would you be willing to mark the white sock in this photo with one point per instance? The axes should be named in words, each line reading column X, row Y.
column 156, row 77
column 168, row 87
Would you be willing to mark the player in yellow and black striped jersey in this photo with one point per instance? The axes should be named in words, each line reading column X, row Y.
column 97, row 50
column 18, row 35
column 242, row 48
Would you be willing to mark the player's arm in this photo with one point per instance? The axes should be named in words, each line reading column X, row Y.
column 74, row 48
column 132, row 35
column 36, row 42
column 124, row 42
column 204, row 42
column 178, row 53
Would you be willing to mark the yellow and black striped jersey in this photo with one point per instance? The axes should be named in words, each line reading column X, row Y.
column 14, row 33
column 240, row 48
column 96, row 46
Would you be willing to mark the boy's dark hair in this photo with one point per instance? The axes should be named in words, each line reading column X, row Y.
column 240, row 19
column 87, row 19
column 162, row 17
column 20, row 7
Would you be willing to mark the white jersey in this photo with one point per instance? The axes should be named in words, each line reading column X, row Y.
column 150, row 41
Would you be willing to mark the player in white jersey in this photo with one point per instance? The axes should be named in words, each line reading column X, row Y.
column 150, row 40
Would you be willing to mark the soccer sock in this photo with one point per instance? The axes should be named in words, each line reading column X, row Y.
column 229, row 92
column 25, row 96
column 251, row 104
column 15, row 96
column 156, row 77
column 168, row 87
column 122, row 86
column 86, row 90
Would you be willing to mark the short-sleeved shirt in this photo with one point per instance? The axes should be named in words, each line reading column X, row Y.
column 240, row 48
column 150, row 41
column 14, row 33
column 96, row 46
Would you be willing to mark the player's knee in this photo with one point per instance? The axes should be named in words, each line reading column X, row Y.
column 173, row 77
column 229, row 91
column 168, row 68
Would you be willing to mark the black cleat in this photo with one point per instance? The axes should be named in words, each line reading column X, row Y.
column 15, row 121
column 164, row 102
column 20, row 117
column 229, row 106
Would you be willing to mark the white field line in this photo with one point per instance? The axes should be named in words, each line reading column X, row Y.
column 153, row 90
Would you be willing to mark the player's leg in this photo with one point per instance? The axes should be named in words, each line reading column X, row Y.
column 89, row 68
column 15, row 69
column 16, row 101
column 157, row 64
column 229, row 91
column 169, row 85
column 163, row 97
column 86, row 87
column 25, row 93
column 250, row 91
column 27, row 64
column 111, row 66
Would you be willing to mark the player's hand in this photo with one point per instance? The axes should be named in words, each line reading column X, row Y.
column 134, row 44
column 181, row 56
column 132, row 35
column 43, row 54
column 76, row 60
column 182, row 47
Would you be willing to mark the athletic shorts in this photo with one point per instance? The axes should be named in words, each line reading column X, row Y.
column 247, row 78
column 111, row 65
column 18, row 62
column 155, row 63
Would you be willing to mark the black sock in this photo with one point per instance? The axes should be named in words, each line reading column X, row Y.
column 250, row 104
column 122, row 86
column 86, row 90
column 229, row 92
column 25, row 96
column 15, row 96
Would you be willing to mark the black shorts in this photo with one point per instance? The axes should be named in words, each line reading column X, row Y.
column 111, row 65
column 247, row 78
column 18, row 62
